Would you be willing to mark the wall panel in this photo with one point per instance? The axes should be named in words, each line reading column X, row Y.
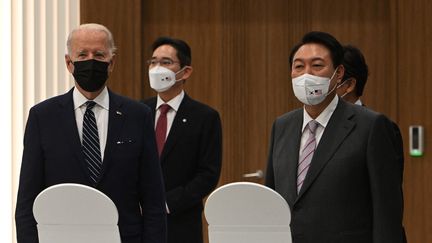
column 240, row 57
column 123, row 18
column 415, row 106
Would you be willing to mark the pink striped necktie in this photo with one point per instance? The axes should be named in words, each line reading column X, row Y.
column 306, row 154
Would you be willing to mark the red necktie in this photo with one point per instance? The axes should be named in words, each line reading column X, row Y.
column 161, row 127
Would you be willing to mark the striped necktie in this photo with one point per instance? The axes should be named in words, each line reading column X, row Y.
column 306, row 154
column 90, row 143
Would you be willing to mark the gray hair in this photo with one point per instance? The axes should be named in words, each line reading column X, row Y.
column 95, row 27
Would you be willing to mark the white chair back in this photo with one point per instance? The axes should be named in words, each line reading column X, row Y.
column 245, row 212
column 71, row 213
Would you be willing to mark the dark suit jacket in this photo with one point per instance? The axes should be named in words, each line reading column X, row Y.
column 131, row 174
column 353, row 189
column 191, row 164
column 399, row 148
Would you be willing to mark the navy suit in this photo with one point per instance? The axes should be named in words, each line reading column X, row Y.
column 353, row 189
column 131, row 174
column 191, row 164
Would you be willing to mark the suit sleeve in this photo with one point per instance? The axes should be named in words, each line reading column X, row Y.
column 385, row 172
column 269, row 179
column 399, row 145
column 30, row 183
column 208, row 168
column 400, row 150
column 152, row 189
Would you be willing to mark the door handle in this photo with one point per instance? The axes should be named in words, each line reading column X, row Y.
column 258, row 174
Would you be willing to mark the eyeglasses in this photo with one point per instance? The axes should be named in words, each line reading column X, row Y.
column 163, row 62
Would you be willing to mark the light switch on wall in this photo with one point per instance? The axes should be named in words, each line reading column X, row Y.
column 416, row 140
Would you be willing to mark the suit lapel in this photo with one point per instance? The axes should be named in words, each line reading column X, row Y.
column 67, row 114
column 181, row 121
column 338, row 128
column 152, row 104
column 289, row 152
column 115, row 124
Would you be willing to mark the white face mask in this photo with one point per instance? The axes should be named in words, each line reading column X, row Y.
column 311, row 89
column 162, row 79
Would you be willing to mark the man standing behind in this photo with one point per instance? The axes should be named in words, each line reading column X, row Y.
column 332, row 161
column 353, row 83
column 94, row 137
column 355, row 76
column 189, row 139
column 352, row 86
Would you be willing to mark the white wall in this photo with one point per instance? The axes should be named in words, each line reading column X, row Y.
column 32, row 69
column 5, row 124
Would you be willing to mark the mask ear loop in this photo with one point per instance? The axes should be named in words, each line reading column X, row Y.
column 344, row 94
column 73, row 63
column 334, row 88
column 179, row 71
column 340, row 85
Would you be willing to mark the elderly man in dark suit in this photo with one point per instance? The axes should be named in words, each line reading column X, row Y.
column 94, row 137
column 335, row 163
column 189, row 139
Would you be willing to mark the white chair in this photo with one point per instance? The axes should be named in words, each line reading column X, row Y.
column 72, row 213
column 244, row 212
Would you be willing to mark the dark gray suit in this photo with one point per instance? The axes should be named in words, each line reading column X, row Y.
column 353, row 189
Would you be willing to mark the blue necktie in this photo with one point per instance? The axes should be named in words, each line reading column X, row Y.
column 90, row 143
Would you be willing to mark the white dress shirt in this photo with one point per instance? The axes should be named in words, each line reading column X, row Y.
column 358, row 102
column 100, row 110
column 322, row 120
column 174, row 103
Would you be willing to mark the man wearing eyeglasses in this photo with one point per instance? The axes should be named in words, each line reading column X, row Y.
column 189, row 140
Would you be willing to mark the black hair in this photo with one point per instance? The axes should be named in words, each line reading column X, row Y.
column 325, row 39
column 182, row 48
column 355, row 67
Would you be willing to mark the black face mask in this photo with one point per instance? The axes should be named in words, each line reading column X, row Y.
column 91, row 75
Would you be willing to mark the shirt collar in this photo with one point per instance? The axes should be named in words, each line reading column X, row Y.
column 174, row 103
column 358, row 102
column 325, row 115
column 102, row 99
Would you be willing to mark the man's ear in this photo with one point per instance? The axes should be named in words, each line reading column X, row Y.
column 351, row 85
column 112, row 63
column 340, row 72
column 69, row 63
column 187, row 72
